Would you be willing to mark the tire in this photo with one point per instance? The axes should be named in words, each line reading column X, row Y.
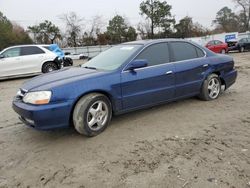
column 223, row 51
column 211, row 88
column 242, row 49
column 92, row 114
column 67, row 62
column 49, row 67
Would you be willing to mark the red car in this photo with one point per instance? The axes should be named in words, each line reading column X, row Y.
column 217, row 46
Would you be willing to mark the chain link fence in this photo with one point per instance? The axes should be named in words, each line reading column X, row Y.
column 89, row 51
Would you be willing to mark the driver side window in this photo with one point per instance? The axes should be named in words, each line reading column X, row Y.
column 13, row 52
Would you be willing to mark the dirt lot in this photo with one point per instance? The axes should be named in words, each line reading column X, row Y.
column 189, row 143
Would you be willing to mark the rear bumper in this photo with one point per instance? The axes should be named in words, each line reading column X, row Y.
column 44, row 117
column 230, row 78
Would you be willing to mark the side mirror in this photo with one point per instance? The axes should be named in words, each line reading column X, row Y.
column 1, row 56
column 136, row 64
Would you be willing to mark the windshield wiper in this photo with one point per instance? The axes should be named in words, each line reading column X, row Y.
column 86, row 67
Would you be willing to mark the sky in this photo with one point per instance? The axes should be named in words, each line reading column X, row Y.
column 31, row 12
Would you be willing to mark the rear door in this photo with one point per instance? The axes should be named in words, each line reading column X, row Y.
column 190, row 65
column 218, row 46
column 210, row 46
column 31, row 57
column 152, row 84
column 11, row 63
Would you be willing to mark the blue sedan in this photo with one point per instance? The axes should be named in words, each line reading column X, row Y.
column 125, row 78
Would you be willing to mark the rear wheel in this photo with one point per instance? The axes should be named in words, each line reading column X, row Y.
column 242, row 49
column 49, row 67
column 223, row 51
column 92, row 114
column 211, row 88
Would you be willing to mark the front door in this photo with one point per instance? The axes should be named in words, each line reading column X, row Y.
column 152, row 84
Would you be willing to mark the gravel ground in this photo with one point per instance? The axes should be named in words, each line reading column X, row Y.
column 189, row 143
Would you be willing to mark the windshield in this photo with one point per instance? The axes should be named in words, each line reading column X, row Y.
column 112, row 58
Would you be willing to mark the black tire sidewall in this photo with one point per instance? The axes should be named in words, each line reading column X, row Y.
column 83, row 111
column 46, row 66
column 204, row 93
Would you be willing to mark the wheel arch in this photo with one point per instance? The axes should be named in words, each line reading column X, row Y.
column 48, row 61
column 220, row 76
column 105, row 93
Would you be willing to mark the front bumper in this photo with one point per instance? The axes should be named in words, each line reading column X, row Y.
column 44, row 117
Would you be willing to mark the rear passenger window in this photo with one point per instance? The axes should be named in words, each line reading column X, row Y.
column 217, row 42
column 200, row 53
column 211, row 43
column 31, row 50
column 155, row 54
column 243, row 40
column 184, row 51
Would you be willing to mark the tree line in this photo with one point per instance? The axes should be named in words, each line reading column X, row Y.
column 158, row 23
column 12, row 33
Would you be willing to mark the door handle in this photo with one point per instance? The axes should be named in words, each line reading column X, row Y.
column 169, row 72
column 206, row 65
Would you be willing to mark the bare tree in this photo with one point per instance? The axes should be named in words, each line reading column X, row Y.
column 144, row 29
column 245, row 14
column 73, row 27
column 95, row 28
column 97, row 25
column 159, row 14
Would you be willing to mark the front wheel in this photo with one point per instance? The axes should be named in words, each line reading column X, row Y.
column 211, row 88
column 49, row 67
column 92, row 114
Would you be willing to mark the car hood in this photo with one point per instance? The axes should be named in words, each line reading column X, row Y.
column 62, row 76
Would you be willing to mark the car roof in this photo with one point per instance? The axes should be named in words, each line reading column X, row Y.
column 26, row 45
column 153, row 41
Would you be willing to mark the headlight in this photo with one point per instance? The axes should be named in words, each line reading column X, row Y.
column 37, row 97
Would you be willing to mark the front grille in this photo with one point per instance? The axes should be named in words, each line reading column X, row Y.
column 20, row 94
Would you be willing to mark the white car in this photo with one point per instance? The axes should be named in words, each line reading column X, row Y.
column 75, row 56
column 27, row 60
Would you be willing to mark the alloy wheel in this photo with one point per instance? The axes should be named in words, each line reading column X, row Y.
column 214, row 88
column 97, row 115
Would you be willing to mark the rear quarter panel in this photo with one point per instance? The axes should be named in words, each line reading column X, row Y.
column 223, row 65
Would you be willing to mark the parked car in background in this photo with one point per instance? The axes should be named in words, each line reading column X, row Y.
column 241, row 45
column 75, row 56
column 124, row 78
column 65, row 61
column 217, row 46
column 27, row 60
